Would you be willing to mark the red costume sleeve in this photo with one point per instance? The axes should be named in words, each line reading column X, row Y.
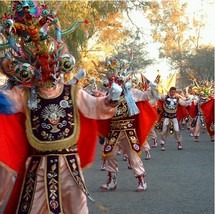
column 181, row 112
column 87, row 141
column 103, row 127
column 145, row 120
column 13, row 141
column 192, row 110
column 14, row 151
column 160, row 110
column 208, row 112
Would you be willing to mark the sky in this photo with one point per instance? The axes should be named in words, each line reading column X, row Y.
column 208, row 7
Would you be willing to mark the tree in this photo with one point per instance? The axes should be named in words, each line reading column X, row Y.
column 202, row 62
column 173, row 29
column 134, row 51
column 199, row 65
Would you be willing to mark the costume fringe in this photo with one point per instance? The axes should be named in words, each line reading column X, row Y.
column 98, row 205
column 101, row 207
column 132, row 107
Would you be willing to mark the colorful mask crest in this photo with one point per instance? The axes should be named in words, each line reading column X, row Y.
column 29, row 55
column 116, row 70
column 25, row 74
column 66, row 63
column 202, row 88
column 119, row 71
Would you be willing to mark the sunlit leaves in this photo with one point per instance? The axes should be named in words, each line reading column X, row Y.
column 171, row 27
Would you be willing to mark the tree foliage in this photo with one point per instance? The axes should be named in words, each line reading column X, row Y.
column 173, row 29
column 199, row 65
column 88, row 41
column 202, row 62
column 105, row 34
column 135, row 52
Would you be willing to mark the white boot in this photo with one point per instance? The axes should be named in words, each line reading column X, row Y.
column 142, row 186
column 163, row 147
column 179, row 146
column 148, row 156
column 111, row 182
column 103, row 166
column 125, row 157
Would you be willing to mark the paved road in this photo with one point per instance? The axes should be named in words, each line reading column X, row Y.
column 179, row 182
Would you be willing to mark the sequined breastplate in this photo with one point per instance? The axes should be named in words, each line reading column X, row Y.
column 53, row 124
column 170, row 106
column 121, row 120
column 122, row 110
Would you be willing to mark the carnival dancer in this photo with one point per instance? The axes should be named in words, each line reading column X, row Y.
column 204, row 110
column 56, row 148
column 171, row 115
column 126, row 130
column 152, row 134
column 190, row 94
column 60, row 120
column 142, row 84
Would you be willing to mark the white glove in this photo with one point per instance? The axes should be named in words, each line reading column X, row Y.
column 153, row 92
column 92, row 80
column 80, row 74
column 114, row 93
column 189, row 101
column 153, row 85
column 152, row 101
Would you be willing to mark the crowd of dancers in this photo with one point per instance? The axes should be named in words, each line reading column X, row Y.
column 50, row 127
column 176, row 110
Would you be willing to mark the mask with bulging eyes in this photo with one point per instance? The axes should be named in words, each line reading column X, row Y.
column 66, row 63
column 25, row 74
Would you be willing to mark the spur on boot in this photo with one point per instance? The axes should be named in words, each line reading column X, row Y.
column 111, row 182
column 142, row 186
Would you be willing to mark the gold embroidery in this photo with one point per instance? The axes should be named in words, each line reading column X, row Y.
column 55, row 144
column 122, row 124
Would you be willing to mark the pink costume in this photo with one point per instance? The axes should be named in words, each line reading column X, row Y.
column 60, row 119
column 54, row 182
column 6, row 184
